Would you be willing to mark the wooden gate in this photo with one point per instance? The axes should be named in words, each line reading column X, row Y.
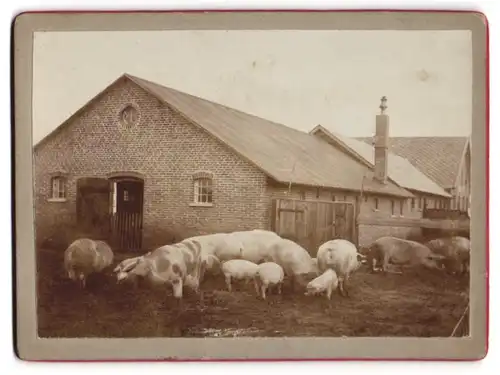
column 311, row 223
column 92, row 207
column 126, row 217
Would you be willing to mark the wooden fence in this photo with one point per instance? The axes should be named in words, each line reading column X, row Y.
column 313, row 222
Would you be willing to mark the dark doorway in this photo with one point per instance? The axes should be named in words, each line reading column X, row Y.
column 92, row 207
column 126, row 213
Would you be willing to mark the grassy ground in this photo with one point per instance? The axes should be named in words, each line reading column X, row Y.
column 392, row 305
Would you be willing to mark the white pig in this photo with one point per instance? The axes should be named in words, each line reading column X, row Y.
column 268, row 274
column 342, row 257
column 326, row 282
column 294, row 259
column 238, row 269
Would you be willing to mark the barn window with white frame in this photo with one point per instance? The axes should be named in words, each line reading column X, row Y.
column 58, row 187
column 203, row 190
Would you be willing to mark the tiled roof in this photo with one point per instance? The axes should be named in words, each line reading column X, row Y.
column 400, row 170
column 437, row 157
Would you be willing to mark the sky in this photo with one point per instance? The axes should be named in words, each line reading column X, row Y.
column 297, row 78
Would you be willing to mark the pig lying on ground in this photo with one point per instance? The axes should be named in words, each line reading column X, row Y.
column 388, row 251
column 456, row 251
column 342, row 257
column 268, row 274
column 238, row 269
column 326, row 283
column 84, row 257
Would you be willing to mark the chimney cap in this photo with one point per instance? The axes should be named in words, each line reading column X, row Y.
column 383, row 104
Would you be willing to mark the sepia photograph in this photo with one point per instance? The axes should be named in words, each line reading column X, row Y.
column 254, row 183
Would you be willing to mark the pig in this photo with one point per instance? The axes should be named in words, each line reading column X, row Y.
column 255, row 244
column 342, row 257
column 326, row 283
column 122, row 268
column 268, row 274
column 251, row 245
column 175, row 265
column 387, row 251
column 296, row 262
column 456, row 251
column 85, row 256
column 213, row 250
column 238, row 269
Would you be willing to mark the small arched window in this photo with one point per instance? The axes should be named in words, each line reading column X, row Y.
column 58, row 187
column 203, row 188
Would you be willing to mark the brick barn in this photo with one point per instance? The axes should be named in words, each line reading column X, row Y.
column 160, row 160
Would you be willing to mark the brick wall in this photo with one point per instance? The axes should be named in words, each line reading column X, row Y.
column 164, row 148
column 369, row 233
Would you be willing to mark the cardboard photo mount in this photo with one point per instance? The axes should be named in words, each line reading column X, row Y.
column 30, row 347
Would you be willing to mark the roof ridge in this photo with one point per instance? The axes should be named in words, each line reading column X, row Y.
column 393, row 155
column 153, row 87
column 222, row 105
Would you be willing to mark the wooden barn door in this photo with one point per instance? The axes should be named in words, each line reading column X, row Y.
column 313, row 222
column 92, row 206
column 126, row 221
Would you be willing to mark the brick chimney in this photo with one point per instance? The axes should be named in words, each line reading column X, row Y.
column 381, row 143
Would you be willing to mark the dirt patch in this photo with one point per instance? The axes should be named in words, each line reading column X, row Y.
column 417, row 304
